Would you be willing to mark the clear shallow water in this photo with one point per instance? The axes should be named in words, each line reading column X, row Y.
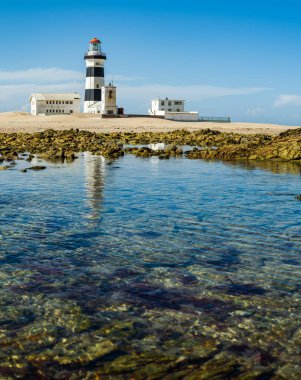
column 148, row 268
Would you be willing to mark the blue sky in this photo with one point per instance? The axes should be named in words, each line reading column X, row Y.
column 225, row 57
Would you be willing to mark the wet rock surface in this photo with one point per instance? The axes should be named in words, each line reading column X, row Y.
column 61, row 145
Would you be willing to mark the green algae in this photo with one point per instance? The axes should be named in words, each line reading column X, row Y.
column 61, row 145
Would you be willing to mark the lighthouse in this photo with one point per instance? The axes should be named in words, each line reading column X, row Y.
column 95, row 60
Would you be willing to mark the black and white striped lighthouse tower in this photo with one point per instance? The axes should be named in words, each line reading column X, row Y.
column 95, row 59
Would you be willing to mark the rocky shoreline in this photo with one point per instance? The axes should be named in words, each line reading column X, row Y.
column 203, row 144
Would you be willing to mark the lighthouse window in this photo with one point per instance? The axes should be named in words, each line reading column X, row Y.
column 97, row 86
column 71, row 102
column 110, row 94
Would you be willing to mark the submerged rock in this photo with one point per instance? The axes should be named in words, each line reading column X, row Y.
column 37, row 167
column 79, row 350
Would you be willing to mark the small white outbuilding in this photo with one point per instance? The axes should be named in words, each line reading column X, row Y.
column 182, row 116
column 55, row 104
column 160, row 106
column 172, row 109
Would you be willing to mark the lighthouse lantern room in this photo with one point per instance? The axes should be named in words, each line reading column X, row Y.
column 95, row 59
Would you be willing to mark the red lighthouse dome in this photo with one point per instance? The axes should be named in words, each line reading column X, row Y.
column 95, row 41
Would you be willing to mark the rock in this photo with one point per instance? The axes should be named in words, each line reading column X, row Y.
column 37, row 168
column 29, row 158
column 112, row 150
column 298, row 197
column 23, row 170
column 61, row 145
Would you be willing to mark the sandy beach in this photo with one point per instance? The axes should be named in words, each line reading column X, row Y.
column 23, row 122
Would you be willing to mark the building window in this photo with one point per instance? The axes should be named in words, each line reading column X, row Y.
column 97, row 86
column 178, row 103
column 178, row 110
column 162, row 103
column 71, row 102
column 169, row 103
column 169, row 110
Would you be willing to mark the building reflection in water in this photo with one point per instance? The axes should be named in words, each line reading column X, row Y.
column 95, row 183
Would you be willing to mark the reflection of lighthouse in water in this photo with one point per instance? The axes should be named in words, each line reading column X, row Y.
column 95, row 182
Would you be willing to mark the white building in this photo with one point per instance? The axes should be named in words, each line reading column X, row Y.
column 99, row 98
column 182, row 116
column 172, row 109
column 160, row 106
column 55, row 104
column 108, row 94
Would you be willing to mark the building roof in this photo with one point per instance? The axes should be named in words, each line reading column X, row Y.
column 71, row 96
column 95, row 41
column 168, row 99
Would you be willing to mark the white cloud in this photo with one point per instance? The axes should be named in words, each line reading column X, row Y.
column 191, row 93
column 254, row 111
column 16, row 87
column 54, row 75
column 123, row 78
column 39, row 75
column 288, row 100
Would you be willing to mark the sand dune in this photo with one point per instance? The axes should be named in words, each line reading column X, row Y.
column 23, row 122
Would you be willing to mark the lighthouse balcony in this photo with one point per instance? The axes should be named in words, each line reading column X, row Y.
column 95, row 55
